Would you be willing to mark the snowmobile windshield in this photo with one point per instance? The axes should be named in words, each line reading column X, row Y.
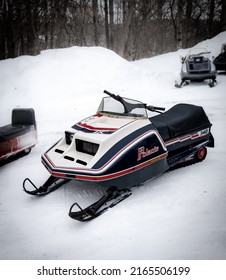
column 123, row 107
column 198, row 52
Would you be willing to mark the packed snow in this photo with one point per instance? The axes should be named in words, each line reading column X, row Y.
column 179, row 215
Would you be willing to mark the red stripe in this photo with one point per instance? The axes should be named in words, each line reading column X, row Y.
column 57, row 174
column 113, row 175
column 193, row 136
column 184, row 138
column 96, row 128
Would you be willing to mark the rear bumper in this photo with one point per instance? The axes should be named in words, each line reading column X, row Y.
column 198, row 77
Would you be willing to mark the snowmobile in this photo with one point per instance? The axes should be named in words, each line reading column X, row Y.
column 220, row 60
column 20, row 136
column 121, row 146
column 197, row 67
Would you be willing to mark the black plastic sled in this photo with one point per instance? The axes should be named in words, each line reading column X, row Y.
column 220, row 60
column 197, row 67
column 20, row 136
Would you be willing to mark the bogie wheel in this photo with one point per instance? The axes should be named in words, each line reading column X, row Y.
column 201, row 154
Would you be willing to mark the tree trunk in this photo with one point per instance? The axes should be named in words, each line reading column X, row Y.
column 160, row 32
column 111, row 17
column 188, row 23
column 3, row 31
column 223, row 15
column 95, row 22
column 210, row 18
column 179, row 24
column 123, row 50
column 106, row 23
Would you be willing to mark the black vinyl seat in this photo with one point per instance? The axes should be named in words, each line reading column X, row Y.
column 23, row 120
column 8, row 132
column 180, row 119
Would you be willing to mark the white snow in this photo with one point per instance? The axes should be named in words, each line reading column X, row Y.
column 179, row 215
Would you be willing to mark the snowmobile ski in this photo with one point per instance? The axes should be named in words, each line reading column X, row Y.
column 51, row 184
column 109, row 200
column 181, row 84
column 212, row 83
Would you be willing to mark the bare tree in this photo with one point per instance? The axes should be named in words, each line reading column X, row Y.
column 129, row 7
column 95, row 22
column 223, row 15
column 106, row 23
column 111, row 25
column 179, row 25
column 132, row 28
column 211, row 14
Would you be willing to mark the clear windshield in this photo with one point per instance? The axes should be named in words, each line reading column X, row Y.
column 198, row 52
column 127, row 107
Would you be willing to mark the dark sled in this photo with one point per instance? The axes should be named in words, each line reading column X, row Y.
column 120, row 147
column 220, row 60
column 20, row 136
column 197, row 67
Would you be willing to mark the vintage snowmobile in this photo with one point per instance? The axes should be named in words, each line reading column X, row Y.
column 197, row 67
column 121, row 146
column 20, row 136
column 220, row 60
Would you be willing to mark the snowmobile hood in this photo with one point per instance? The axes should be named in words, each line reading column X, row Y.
column 88, row 141
column 108, row 145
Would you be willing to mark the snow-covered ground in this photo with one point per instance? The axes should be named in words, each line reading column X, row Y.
column 180, row 215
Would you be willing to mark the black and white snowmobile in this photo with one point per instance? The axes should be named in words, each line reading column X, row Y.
column 20, row 136
column 197, row 67
column 120, row 147
column 220, row 60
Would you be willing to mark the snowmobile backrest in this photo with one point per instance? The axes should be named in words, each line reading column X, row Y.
column 21, row 116
column 180, row 119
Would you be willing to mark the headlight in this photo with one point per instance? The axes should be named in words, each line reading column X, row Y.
column 68, row 137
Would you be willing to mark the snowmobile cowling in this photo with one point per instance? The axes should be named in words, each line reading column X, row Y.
column 122, row 146
column 197, row 67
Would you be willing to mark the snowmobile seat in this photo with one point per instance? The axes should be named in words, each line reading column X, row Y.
column 24, row 117
column 23, row 120
column 180, row 119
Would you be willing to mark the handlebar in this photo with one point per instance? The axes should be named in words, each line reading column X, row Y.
column 154, row 108
column 111, row 94
column 128, row 105
column 107, row 92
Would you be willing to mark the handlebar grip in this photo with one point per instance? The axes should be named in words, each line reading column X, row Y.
column 159, row 108
column 107, row 92
column 117, row 97
column 154, row 108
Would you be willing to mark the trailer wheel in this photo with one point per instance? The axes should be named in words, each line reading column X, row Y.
column 201, row 154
